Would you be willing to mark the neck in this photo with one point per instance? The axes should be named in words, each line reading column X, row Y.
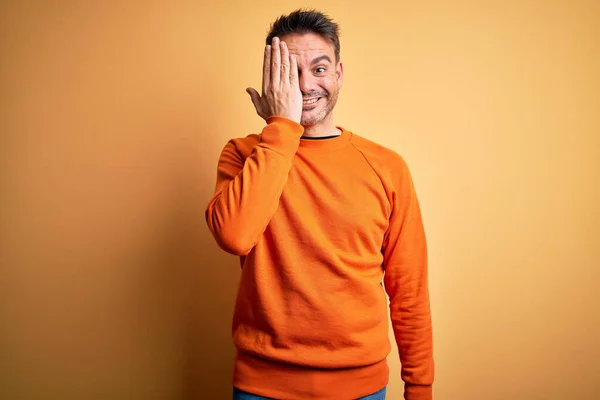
column 324, row 128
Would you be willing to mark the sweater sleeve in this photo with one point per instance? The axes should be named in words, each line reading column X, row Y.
column 247, row 191
column 406, row 282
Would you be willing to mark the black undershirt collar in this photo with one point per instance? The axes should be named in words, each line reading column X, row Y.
column 319, row 138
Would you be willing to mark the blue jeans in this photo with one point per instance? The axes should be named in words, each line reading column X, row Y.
column 239, row 395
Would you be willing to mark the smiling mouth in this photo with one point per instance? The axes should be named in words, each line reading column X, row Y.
column 311, row 102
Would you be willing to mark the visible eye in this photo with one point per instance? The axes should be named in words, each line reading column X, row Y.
column 320, row 70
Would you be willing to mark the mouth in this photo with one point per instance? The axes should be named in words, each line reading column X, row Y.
column 309, row 104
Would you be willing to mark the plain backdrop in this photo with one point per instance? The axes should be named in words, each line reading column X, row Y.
column 112, row 117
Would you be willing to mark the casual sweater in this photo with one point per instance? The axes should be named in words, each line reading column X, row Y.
column 323, row 229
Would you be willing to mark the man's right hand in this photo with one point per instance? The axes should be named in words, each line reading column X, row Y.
column 280, row 90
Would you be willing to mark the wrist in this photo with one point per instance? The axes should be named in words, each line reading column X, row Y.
column 285, row 116
column 418, row 392
column 282, row 135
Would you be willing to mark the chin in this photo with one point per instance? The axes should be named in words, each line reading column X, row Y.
column 308, row 122
column 311, row 117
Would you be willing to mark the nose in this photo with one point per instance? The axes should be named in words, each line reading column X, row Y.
column 307, row 83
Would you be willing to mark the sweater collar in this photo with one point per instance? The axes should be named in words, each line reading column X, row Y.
column 329, row 144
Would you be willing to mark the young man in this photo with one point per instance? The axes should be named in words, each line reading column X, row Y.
column 320, row 217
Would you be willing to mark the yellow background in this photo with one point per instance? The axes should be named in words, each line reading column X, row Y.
column 112, row 117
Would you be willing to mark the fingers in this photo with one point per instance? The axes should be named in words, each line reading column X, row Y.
column 285, row 64
column 293, row 71
column 266, row 69
column 275, row 63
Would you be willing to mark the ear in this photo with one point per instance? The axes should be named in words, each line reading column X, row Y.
column 339, row 71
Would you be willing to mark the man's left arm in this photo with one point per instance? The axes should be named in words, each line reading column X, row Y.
column 406, row 283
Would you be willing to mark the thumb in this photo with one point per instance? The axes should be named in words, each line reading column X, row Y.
column 255, row 97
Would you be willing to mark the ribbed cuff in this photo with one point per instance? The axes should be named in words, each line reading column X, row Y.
column 417, row 392
column 282, row 135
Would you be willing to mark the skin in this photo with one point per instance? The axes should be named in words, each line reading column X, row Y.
column 300, row 66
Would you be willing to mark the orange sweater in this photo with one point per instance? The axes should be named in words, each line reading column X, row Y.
column 318, row 225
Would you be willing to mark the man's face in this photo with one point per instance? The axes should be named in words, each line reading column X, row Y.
column 319, row 77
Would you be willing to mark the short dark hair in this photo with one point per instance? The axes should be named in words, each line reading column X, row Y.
column 307, row 21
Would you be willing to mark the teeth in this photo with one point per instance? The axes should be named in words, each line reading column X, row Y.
column 310, row 101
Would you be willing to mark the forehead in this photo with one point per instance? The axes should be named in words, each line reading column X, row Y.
column 308, row 46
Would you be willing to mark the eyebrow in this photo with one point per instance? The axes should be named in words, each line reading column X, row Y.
column 321, row 58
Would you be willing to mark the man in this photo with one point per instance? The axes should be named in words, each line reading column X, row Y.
column 319, row 217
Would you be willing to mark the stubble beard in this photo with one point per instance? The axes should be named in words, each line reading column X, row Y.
column 331, row 98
